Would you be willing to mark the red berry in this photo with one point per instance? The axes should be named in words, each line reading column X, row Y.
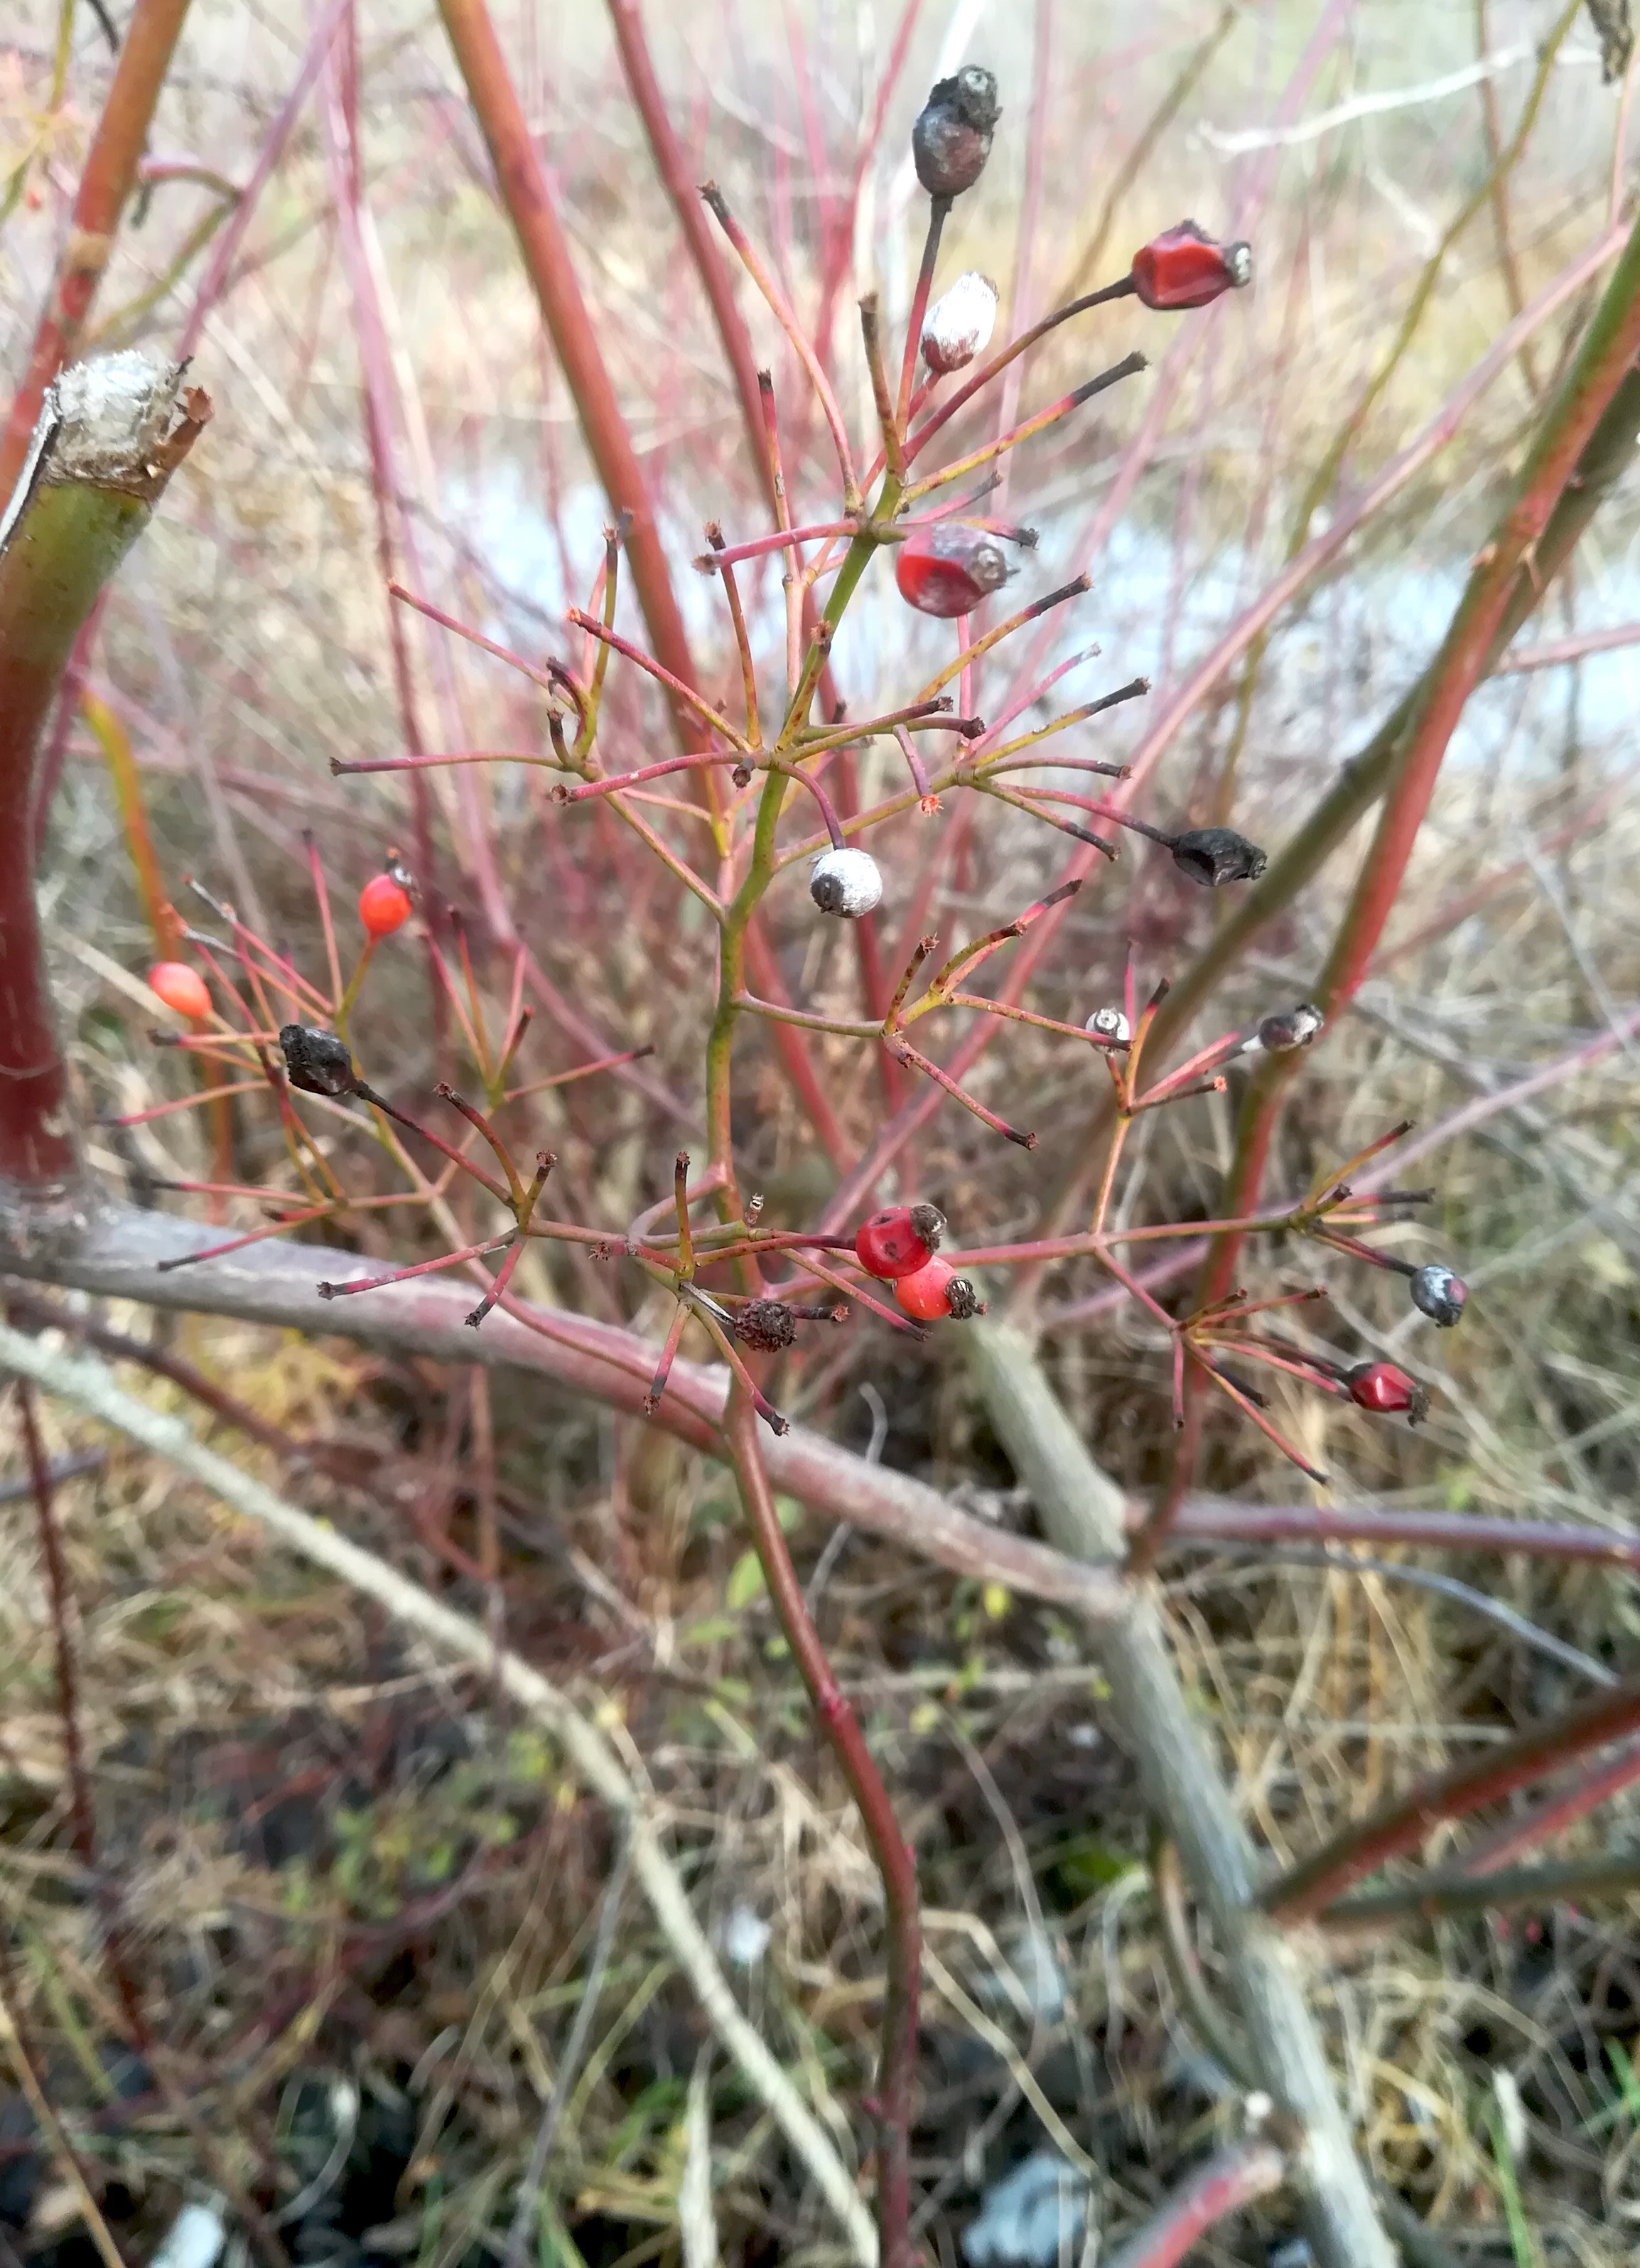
column 898, row 1240
column 181, row 987
column 1385, row 1388
column 947, row 570
column 926, row 1292
column 384, row 905
column 934, row 1289
column 1185, row 267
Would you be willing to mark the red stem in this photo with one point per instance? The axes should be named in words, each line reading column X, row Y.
column 110, row 174
column 1232, row 2178
column 895, row 1861
column 524, row 190
column 1211, row 1520
column 1400, row 1826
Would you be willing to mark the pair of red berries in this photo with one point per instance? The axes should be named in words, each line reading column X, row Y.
column 900, row 1246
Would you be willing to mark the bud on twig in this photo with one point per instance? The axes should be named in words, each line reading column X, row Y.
column 951, row 139
column 846, row 882
column 960, row 323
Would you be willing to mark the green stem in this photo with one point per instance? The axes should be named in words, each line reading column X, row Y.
column 102, row 452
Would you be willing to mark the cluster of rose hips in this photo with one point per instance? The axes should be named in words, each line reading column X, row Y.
column 900, row 1245
column 949, row 568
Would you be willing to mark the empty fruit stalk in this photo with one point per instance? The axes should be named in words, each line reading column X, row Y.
column 109, row 176
column 110, row 435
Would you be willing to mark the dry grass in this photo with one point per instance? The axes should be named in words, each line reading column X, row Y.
column 344, row 1869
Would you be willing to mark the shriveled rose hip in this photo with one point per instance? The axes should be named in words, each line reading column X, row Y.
column 181, row 987
column 1385, row 1390
column 384, row 905
column 1185, row 267
column 960, row 323
column 898, row 1240
column 848, row 883
column 1440, row 1294
column 948, row 569
column 950, row 138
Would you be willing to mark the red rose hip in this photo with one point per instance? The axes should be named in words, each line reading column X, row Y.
column 1185, row 267
column 935, row 1290
column 947, row 570
column 1385, row 1390
column 384, row 905
column 181, row 987
column 898, row 1240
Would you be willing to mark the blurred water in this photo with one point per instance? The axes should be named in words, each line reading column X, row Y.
column 1334, row 665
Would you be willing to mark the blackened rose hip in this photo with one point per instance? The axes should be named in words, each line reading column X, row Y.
column 951, row 139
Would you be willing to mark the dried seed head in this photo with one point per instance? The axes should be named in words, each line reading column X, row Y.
column 960, row 323
column 1184, row 267
column 766, row 1324
column 947, row 570
column 1289, row 1029
column 1440, row 1294
column 952, row 136
column 317, row 1062
column 1212, row 855
column 962, row 1301
column 846, row 882
column 1385, row 1390
column 1109, row 1024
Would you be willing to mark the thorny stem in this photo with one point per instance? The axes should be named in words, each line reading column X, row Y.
column 895, row 1861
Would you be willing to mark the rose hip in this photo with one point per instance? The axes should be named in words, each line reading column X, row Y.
column 947, row 570
column 1185, row 267
column 181, row 987
column 1385, row 1390
column 898, row 1240
column 384, row 905
column 935, row 1290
